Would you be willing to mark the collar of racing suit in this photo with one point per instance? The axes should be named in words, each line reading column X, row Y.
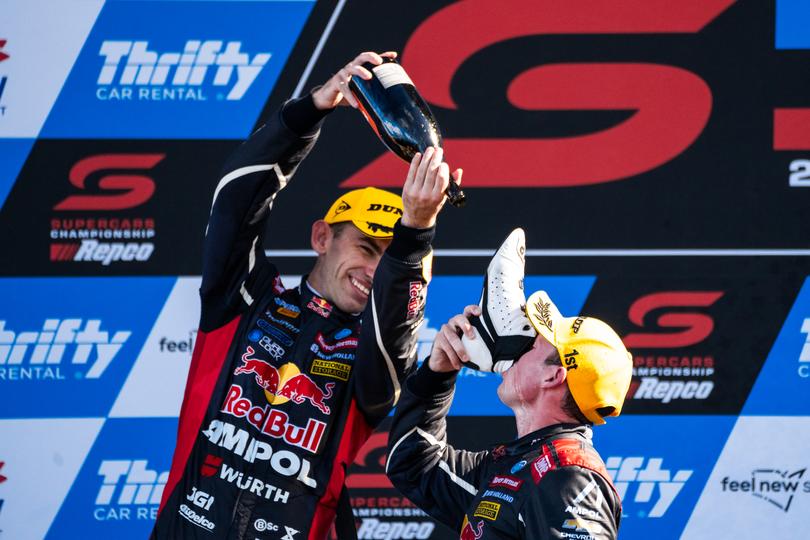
column 307, row 294
column 536, row 438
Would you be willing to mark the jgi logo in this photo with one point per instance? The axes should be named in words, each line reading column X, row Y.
column 128, row 487
column 200, row 498
column 39, row 355
column 804, row 357
column 631, row 470
column 176, row 75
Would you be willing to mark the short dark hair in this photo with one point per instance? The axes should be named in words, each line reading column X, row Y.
column 338, row 228
column 569, row 405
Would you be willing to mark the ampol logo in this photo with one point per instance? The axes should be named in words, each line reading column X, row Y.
column 35, row 355
column 133, row 71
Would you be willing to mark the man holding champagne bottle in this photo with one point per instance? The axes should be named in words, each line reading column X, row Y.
column 286, row 385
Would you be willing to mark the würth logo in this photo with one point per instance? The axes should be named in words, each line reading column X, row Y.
column 3, row 55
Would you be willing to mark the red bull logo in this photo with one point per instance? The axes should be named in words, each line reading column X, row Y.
column 273, row 422
column 320, row 306
column 285, row 383
column 468, row 533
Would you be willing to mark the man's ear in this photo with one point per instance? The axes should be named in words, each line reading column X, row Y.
column 320, row 237
column 554, row 376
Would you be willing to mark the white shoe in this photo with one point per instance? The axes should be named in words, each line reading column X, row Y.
column 503, row 331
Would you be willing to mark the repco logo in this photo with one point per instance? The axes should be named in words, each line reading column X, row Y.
column 123, row 190
column 654, row 92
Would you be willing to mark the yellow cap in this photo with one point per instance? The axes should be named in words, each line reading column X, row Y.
column 598, row 366
column 373, row 211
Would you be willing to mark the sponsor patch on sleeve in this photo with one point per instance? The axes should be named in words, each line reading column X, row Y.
column 540, row 467
column 336, row 370
column 487, row 510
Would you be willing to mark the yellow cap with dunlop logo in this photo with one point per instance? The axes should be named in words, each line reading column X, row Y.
column 598, row 366
column 373, row 211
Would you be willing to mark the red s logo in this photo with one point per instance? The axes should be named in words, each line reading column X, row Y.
column 671, row 104
column 134, row 189
column 374, row 480
column 695, row 327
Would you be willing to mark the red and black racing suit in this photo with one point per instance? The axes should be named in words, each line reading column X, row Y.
column 550, row 483
column 283, row 387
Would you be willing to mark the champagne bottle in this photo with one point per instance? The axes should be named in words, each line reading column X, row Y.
column 399, row 116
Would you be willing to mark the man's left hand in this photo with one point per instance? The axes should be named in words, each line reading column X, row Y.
column 423, row 192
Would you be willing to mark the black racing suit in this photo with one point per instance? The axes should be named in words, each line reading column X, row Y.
column 548, row 484
column 283, row 387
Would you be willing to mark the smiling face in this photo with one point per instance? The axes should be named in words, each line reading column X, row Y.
column 346, row 263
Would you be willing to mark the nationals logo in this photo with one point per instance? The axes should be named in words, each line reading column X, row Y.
column 101, row 237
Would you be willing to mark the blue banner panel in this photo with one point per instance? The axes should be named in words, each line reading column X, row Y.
column 792, row 23
column 661, row 473
column 476, row 392
column 783, row 385
column 13, row 153
column 176, row 70
column 66, row 345
column 117, row 492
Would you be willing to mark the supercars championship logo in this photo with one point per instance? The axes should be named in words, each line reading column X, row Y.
column 667, row 369
column 84, row 229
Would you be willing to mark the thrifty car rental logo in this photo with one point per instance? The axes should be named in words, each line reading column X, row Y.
column 39, row 355
column 132, row 71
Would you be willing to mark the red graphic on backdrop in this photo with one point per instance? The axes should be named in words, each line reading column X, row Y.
column 64, row 252
column 373, row 471
column 2, row 478
column 124, row 190
column 695, row 327
column 672, row 104
column 791, row 129
column 3, row 56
